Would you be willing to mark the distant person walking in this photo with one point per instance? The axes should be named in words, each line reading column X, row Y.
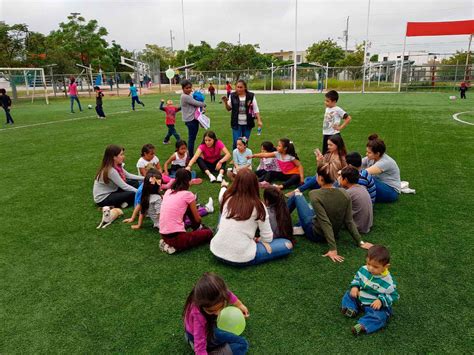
column 228, row 88
column 463, row 89
column 73, row 94
column 6, row 103
column 133, row 92
column 212, row 92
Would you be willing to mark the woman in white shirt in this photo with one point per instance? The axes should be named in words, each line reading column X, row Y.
column 242, row 213
column 244, row 109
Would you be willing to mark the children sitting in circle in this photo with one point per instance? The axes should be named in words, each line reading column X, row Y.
column 240, row 158
column 267, row 165
column 180, row 159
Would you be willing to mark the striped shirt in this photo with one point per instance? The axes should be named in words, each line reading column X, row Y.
column 366, row 180
column 373, row 287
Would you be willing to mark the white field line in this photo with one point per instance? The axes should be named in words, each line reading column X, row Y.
column 60, row 121
column 455, row 117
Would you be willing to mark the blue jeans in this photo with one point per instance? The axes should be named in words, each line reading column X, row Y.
column 372, row 320
column 9, row 117
column 174, row 168
column 171, row 132
column 237, row 343
column 280, row 247
column 310, row 183
column 385, row 193
column 193, row 129
column 75, row 98
column 241, row 131
column 305, row 216
column 137, row 100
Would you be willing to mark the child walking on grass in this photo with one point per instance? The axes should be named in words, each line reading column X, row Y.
column 170, row 122
column 240, row 158
column 206, row 300
column 133, row 92
column 98, row 102
column 372, row 291
column 6, row 103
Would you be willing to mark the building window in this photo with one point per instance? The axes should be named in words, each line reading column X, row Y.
column 385, row 59
column 405, row 57
column 298, row 58
column 290, row 57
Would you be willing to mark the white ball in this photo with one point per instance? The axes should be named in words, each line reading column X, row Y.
column 452, row 97
column 90, row 107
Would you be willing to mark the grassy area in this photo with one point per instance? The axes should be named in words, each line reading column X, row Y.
column 69, row 288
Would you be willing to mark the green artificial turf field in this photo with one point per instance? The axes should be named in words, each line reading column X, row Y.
column 70, row 288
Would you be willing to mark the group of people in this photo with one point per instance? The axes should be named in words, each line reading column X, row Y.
column 253, row 230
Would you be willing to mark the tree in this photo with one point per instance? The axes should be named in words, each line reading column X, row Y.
column 81, row 41
column 153, row 52
column 13, row 44
column 354, row 61
column 327, row 51
column 455, row 67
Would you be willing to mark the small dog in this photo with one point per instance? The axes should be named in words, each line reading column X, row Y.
column 109, row 214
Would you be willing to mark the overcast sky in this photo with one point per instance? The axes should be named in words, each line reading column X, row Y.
column 133, row 23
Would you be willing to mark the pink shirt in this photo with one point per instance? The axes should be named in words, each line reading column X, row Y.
column 287, row 164
column 73, row 89
column 172, row 212
column 212, row 154
column 196, row 324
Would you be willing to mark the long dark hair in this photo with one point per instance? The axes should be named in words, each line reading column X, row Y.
column 341, row 147
column 108, row 162
column 149, row 189
column 243, row 82
column 182, row 182
column 268, row 146
column 290, row 147
column 209, row 134
column 274, row 198
column 209, row 291
column 243, row 196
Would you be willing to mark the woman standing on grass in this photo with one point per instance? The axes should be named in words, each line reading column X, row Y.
column 243, row 212
column 73, row 94
column 113, row 185
column 384, row 170
column 244, row 109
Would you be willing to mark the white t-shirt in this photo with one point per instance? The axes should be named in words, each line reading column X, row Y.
column 142, row 163
column 242, row 112
column 332, row 116
column 234, row 241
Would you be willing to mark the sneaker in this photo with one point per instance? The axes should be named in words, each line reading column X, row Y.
column 358, row 329
column 349, row 313
column 166, row 142
column 124, row 205
column 212, row 178
column 196, row 181
column 298, row 230
column 165, row 248
column 219, row 178
column 210, row 205
column 264, row 184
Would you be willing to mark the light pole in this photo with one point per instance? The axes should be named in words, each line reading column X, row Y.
column 171, row 38
column 295, row 51
column 365, row 48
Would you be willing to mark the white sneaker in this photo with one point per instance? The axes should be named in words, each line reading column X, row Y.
column 124, row 205
column 165, row 248
column 212, row 178
column 298, row 230
column 219, row 178
column 210, row 205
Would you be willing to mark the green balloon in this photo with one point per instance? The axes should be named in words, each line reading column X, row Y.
column 231, row 320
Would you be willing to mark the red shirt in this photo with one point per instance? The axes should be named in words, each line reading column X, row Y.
column 211, row 89
column 228, row 87
column 171, row 114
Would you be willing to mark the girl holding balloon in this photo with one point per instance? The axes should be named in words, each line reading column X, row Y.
column 204, row 304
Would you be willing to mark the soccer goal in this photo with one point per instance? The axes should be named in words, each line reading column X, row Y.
column 24, row 82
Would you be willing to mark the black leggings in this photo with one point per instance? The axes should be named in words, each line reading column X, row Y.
column 117, row 198
column 211, row 166
column 263, row 175
column 287, row 179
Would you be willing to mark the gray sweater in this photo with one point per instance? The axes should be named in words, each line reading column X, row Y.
column 102, row 190
column 188, row 107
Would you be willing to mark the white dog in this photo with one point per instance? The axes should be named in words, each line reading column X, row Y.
column 109, row 214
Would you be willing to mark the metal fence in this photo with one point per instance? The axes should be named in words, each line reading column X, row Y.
column 378, row 77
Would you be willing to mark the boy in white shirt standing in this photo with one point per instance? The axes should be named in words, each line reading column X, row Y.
column 332, row 118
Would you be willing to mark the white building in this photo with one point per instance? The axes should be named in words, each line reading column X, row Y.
column 288, row 55
column 418, row 57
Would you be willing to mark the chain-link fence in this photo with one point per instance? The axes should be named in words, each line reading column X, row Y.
column 378, row 77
